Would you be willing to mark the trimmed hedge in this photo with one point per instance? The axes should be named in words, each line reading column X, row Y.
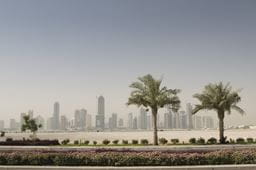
column 28, row 142
column 127, row 158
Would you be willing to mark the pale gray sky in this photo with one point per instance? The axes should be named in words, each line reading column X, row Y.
column 72, row 51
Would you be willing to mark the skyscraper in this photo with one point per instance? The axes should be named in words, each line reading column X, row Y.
column 80, row 119
column 143, row 119
column 113, row 121
column 120, row 123
column 88, row 121
column 100, row 117
column 63, row 122
column 56, row 116
column 130, row 121
column 189, row 113
column 183, row 120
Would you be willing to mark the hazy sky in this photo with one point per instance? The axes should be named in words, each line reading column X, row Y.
column 72, row 51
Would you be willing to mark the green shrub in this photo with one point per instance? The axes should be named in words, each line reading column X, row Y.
column 240, row 140
column 249, row 140
column 163, row 141
column 212, row 140
column 86, row 142
column 105, row 142
column 2, row 133
column 144, row 141
column 95, row 142
column 232, row 141
column 200, row 141
column 125, row 142
column 115, row 142
column 9, row 139
column 135, row 142
column 76, row 142
column 175, row 141
column 65, row 142
column 192, row 140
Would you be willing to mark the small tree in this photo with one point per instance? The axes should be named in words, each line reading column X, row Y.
column 30, row 124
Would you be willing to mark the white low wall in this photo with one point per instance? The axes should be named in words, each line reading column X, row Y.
column 218, row 167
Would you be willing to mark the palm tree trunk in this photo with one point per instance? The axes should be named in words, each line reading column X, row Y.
column 155, row 137
column 221, row 127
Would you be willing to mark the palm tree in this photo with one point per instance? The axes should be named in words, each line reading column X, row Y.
column 220, row 98
column 148, row 93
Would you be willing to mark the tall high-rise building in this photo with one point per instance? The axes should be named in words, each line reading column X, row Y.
column 183, row 120
column 80, row 119
column 149, row 122
column 14, row 125
column 63, row 123
column 121, row 123
column 208, row 122
column 189, row 110
column 56, row 116
column 135, row 123
column 100, row 117
column 143, row 119
column 88, row 121
column 113, row 121
column 198, row 122
column 130, row 121
column 168, row 120
column 49, row 123
column 1, row 125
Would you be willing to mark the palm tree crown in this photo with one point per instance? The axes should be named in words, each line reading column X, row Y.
column 218, row 97
column 149, row 93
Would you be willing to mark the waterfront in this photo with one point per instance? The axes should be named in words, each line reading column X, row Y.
column 182, row 135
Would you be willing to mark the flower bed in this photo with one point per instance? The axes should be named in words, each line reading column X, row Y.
column 127, row 158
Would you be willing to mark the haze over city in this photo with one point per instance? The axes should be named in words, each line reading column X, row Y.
column 72, row 52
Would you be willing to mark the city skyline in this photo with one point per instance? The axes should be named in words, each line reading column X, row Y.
column 82, row 121
column 72, row 52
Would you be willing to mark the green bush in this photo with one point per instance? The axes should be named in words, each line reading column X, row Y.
column 125, row 142
column 135, row 142
column 2, row 134
column 163, row 141
column 232, row 141
column 192, row 140
column 212, row 140
column 76, row 142
column 240, row 140
column 175, row 141
column 105, row 142
column 65, row 142
column 144, row 141
column 95, row 142
column 249, row 140
column 8, row 139
column 115, row 142
column 200, row 141
column 86, row 142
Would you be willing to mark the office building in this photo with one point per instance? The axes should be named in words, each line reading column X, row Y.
column 56, row 116
column 100, row 117
column 189, row 110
